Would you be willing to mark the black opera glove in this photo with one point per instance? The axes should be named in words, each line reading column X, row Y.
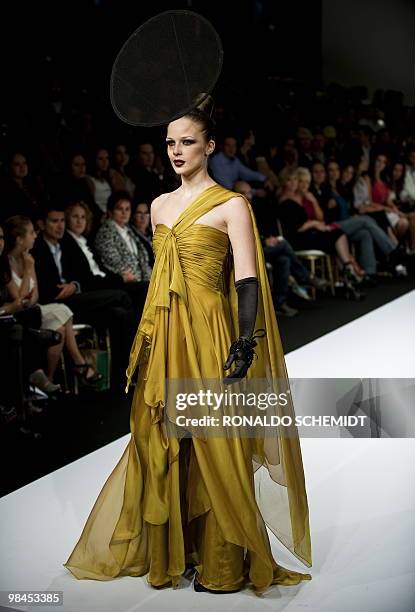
column 241, row 351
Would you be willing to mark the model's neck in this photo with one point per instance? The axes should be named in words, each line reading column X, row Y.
column 199, row 180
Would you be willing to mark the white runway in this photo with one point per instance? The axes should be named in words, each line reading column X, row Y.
column 360, row 491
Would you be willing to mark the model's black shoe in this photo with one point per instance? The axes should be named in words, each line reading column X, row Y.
column 201, row 589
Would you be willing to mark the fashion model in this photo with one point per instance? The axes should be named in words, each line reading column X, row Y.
column 179, row 506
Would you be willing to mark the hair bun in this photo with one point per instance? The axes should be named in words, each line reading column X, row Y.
column 206, row 104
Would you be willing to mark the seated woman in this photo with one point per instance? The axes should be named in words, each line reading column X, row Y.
column 279, row 253
column 21, row 192
column 121, row 251
column 303, row 225
column 382, row 195
column 339, row 192
column 20, row 237
column 91, row 274
column 140, row 224
column 121, row 160
column 363, row 202
column 360, row 229
column 396, row 183
column 102, row 180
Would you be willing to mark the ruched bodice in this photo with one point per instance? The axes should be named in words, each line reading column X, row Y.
column 203, row 251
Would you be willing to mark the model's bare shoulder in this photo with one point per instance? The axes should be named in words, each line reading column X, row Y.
column 235, row 208
column 156, row 206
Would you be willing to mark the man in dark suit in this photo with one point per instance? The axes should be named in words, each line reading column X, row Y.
column 60, row 280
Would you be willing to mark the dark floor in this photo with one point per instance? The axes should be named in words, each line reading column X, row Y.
column 76, row 426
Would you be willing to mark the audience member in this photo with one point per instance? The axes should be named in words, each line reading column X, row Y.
column 227, row 168
column 121, row 163
column 381, row 194
column 20, row 237
column 148, row 181
column 141, row 225
column 101, row 180
column 360, row 229
column 279, row 253
column 304, row 227
column 58, row 282
column 408, row 192
column 88, row 270
column 121, row 250
column 20, row 193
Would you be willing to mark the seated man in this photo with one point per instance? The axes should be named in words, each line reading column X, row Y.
column 281, row 255
column 59, row 281
column 227, row 168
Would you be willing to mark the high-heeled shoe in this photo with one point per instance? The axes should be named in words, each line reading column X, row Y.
column 82, row 370
column 41, row 381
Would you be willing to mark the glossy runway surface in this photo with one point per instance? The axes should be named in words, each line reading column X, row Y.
column 362, row 505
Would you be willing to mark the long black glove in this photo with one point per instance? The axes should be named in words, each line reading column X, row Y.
column 241, row 351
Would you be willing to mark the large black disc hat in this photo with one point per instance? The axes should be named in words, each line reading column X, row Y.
column 163, row 68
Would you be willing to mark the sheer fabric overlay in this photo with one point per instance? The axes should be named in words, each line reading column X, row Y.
column 156, row 510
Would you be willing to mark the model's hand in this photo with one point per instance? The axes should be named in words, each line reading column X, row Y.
column 241, row 353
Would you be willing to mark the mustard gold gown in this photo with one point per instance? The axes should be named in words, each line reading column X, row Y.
column 173, row 501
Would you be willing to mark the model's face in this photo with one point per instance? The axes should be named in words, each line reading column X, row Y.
column 78, row 166
column 318, row 173
column 19, row 168
column 54, row 225
column 76, row 220
column 347, row 174
column 103, row 160
column 142, row 216
column 333, row 171
column 303, row 184
column 146, row 155
column 230, row 147
column 121, row 213
column 380, row 163
column 397, row 172
column 187, row 147
column 121, row 156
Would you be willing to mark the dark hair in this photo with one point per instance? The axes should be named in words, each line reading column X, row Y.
column 48, row 208
column 14, row 227
column 203, row 115
column 5, row 274
column 115, row 197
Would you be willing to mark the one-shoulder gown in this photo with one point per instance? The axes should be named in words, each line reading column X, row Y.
column 205, row 501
